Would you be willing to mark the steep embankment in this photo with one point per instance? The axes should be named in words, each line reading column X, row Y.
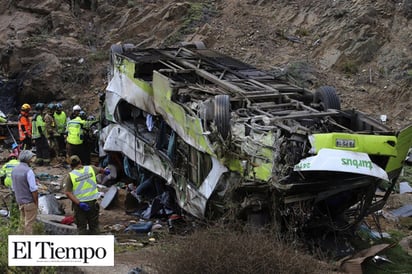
column 361, row 47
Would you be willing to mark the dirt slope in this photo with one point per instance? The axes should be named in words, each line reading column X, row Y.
column 361, row 47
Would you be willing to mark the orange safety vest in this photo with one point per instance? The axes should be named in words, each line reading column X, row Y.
column 24, row 120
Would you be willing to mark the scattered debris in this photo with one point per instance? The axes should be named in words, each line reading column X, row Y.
column 4, row 213
column 131, row 243
column 405, row 211
column 383, row 118
column 404, row 187
column 68, row 220
column 354, row 263
column 46, row 177
column 60, row 196
column 294, row 39
column 53, row 225
column 115, row 227
column 377, row 259
column 372, row 234
column 48, row 204
column 397, row 214
column 408, row 160
column 142, row 227
column 108, row 197
column 157, row 226
column 137, row 270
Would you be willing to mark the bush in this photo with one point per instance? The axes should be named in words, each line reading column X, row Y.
column 197, row 14
column 10, row 226
column 220, row 250
column 350, row 67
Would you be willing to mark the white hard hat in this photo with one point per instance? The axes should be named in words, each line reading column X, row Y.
column 77, row 107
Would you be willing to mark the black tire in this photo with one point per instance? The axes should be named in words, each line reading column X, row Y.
column 327, row 98
column 52, row 225
column 193, row 45
column 222, row 114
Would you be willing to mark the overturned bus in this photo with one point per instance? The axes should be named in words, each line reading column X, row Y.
column 233, row 140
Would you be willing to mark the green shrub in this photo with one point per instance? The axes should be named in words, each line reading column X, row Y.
column 10, row 227
column 197, row 14
column 100, row 55
column 350, row 67
column 302, row 32
column 75, row 73
column 409, row 77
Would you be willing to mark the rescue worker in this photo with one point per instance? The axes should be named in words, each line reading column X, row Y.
column 86, row 139
column 50, row 127
column 75, row 137
column 80, row 186
column 25, row 127
column 93, row 129
column 39, row 136
column 76, row 111
column 6, row 169
column 60, row 119
column 15, row 148
column 26, row 192
column 83, row 115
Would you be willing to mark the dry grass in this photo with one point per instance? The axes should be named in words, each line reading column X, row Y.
column 221, row 250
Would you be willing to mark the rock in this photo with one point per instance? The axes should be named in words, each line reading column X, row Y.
column 406, row 244
column 398, row 200
column 39, row 6
column 40, row 82
column 176, row 11
column 62, row 22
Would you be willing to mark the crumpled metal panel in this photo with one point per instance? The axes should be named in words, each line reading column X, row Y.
column 122, row 140
column 190, row 199
column 122, row 87
column 188, row 127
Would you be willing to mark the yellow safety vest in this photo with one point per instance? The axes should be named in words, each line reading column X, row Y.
column 75, row 131
column 84, row 184
column 37, row 122
column 6, row 170
column 60, row 120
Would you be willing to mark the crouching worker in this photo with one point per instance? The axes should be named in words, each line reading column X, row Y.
column 6, row 169
column 81, row 188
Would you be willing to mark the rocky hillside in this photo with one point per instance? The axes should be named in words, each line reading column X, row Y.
column 56, row 52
